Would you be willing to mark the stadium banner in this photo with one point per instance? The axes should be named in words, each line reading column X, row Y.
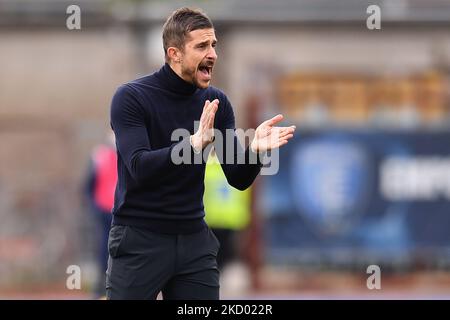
column 346, row 197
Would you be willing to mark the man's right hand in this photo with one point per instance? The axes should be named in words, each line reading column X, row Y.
column 205, row 132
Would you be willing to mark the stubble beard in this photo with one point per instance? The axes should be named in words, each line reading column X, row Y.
column 192, row 75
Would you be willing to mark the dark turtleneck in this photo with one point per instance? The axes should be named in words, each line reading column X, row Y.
column 152, row 191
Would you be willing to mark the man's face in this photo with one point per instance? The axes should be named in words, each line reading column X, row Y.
column 199, row 57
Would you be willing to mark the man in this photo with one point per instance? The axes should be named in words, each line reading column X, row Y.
column 100, row 185
column 159, row 241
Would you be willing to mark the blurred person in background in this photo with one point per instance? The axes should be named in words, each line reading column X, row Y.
column 159, row 240
column 100, row 186
column 227, row 213
column 227, row 210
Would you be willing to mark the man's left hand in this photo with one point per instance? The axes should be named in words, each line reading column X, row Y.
column 268, row 137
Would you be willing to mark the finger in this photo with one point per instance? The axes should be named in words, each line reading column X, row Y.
column 213, row 103
column 281, row 143
column 210, row 127
column 212, row 117
column 285, row 134
column 210, row 107
column 204, row 110
column 290, row 129
column 282, row 130
column 214, row 107
column 211, row 121
column 285, row 137
column 274, row 120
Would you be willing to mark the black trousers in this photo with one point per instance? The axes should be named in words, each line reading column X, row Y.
column 143, row 263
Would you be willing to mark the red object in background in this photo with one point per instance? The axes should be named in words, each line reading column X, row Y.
column 105, row 161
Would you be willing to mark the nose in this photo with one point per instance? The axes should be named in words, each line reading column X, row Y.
column 212, row 54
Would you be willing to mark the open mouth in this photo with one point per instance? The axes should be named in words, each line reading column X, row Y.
column 205, row 71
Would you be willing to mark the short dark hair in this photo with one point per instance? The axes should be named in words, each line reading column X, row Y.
column 179, row 24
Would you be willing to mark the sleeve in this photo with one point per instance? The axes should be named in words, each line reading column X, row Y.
column 128, row 123
column 241, row 167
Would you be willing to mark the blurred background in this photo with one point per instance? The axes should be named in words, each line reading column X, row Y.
column 365, row 181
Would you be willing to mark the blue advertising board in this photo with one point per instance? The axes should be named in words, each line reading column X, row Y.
column 356, row 196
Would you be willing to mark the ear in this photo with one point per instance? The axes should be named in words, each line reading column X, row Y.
column 174, row 54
